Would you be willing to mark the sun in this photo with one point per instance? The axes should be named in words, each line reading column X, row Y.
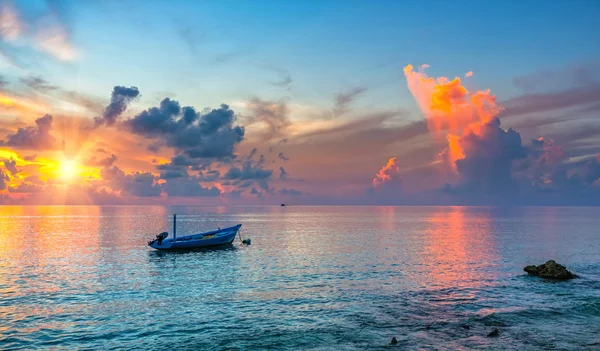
column 67, row 169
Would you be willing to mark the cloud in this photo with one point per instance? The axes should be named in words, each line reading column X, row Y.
column 10, row 24
column 248, row 171
column 291, row 192
column 38, row 83
column 447, row 105
column 281, row 156
column 10, row 165
column 487, row 158
column 46, row 33
column 141, row 184
column 469, row 74
column 272, row 117
column 592, row 171
column 196, row 135
column 3, row 83
column 282, row 173
column 188, row 186
column 3, row 179
column 101, row 162
column 343, row 101
column 479, row 150
column 285, row 79
column 583, row 74
column 388, row 176
column 543, row 102
column 120, row 99
column 36, row 137
column 42, row 86
column 53, row 38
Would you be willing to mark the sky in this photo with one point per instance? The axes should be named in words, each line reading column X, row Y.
column 300, row 102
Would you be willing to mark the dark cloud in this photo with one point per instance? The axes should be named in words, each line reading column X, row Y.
column 10, row 165
column 141, row 184
column 282, row 173
column 173, row 174
column 281, row 156
column 188, row 186
column 198, row 136
column 209, row 176
column 248, row 171
column 252, row 153
column 592, row 171
column 3, row 178
column 36, row 137
column 120, row 99
column 488, row 159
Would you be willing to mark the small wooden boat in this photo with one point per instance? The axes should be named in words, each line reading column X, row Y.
column 217, row 237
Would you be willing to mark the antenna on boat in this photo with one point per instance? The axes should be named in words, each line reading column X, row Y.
column 174, row 226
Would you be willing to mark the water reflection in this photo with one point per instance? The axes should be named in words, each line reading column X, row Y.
column 459, row 245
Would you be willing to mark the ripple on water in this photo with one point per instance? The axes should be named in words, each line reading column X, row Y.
column 435, row 278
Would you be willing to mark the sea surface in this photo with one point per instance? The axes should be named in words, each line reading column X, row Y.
column 314, row 278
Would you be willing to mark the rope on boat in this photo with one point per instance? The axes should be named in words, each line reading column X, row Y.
column 244, row 241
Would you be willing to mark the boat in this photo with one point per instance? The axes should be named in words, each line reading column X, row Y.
column 213, row 238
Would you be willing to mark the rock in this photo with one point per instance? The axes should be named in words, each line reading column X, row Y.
column 494, row 333
column 394, row 341
column 551, row 270
column 465, row 326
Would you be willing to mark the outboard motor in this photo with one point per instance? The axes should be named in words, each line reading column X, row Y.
column 159, row 238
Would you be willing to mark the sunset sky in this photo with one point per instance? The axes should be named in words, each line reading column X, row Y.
column 302, row 102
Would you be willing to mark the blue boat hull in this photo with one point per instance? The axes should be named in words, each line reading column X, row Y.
column 219, row 237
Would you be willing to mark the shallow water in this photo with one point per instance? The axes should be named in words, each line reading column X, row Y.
column 314, row 278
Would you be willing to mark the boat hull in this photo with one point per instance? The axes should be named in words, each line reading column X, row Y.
column 219, row 237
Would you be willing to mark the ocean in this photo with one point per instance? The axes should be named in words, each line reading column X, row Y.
column 314, row 278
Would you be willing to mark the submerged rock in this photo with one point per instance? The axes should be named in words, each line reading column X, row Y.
column 494, row 333
column 551, row 270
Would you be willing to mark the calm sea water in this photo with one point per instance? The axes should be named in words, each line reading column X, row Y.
column 314, row 278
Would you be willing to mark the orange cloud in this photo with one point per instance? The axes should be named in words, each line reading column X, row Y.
column 390, row 172
column 469, row 74
column 450, row 108
column 21, row 106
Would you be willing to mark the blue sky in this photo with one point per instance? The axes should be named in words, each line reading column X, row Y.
column 326, row 46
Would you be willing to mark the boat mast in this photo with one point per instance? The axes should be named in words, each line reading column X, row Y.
column 174, row 226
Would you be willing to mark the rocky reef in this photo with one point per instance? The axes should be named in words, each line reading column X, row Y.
column 550, row 270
